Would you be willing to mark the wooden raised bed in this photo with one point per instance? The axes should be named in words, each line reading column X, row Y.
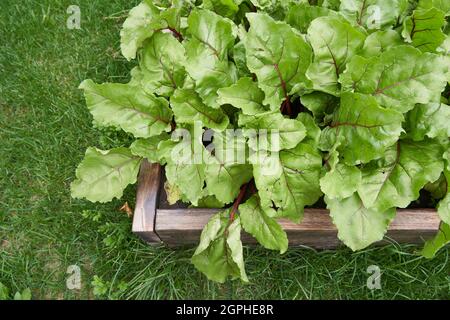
column 157, row 223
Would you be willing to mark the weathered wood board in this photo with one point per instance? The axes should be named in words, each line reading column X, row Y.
column 157, row 224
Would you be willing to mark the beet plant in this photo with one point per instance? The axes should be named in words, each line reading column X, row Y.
column 336, row 102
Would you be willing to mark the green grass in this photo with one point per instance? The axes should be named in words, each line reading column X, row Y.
column 44, row 130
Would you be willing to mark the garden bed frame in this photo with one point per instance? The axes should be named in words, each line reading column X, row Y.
column 157, row 223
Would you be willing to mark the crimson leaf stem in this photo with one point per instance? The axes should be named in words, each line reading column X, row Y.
column 238, row 201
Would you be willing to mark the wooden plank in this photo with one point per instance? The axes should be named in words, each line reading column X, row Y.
column 183, row 227
column 147, row 200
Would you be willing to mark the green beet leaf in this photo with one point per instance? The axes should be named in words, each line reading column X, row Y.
column 443, row 207
column 212, row 38
column 441, row 239
column 228, row 169
column 399, row 78
column 147, row 19
column 428, row 120
column 244, row 94
column 358, row 227
column 219, row 254
column 373, row 14
column 162, row 64
column 186, row 157
column 148, row 148
column 240, row 60
column 442, row 5
column 288, row 181
column 331, row 53
column 278, row 56
column 424, row 29
column 224, row 180
column 362, row 129
column 209, row 201
column 320, row 104
column 188, row 107
column 127, row 107
column 273, row 132
column 259, row 224
column 275, row 8
column 301, row 15
column 226, row 8
column 103, row 175
column 139, row 26
column 341, row 181
column 380, row 41
column 312, row 129
column 396, row 179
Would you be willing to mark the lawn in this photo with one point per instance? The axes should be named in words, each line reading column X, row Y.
column 44, row 131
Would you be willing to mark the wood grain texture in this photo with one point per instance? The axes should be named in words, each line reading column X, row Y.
column 147, row 200
column 183, row 227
